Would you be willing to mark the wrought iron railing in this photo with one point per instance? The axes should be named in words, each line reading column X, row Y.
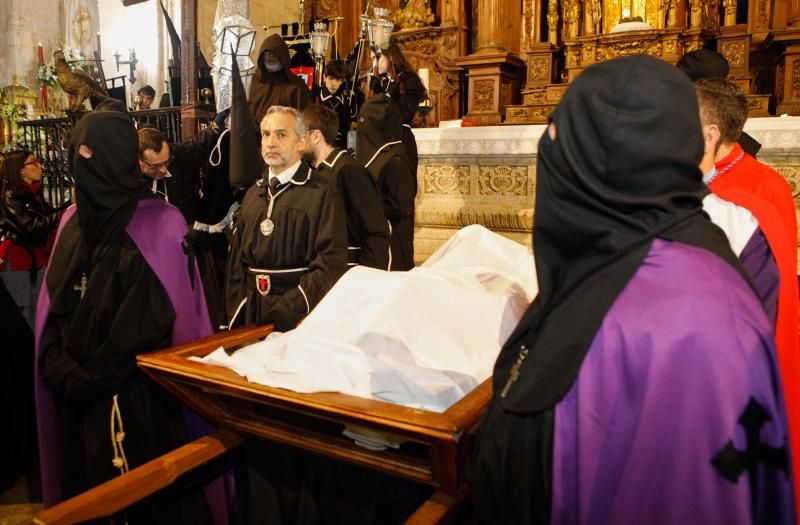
column 48, row 139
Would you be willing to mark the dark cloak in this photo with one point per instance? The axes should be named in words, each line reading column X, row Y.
column 616, row 177
column 141, row 294
column 281, row 88
column 380, row 149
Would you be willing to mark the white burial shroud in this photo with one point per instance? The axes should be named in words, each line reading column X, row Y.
column 422, row 338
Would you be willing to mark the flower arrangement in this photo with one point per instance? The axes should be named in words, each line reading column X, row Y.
column 47, row 75
column 12, row 112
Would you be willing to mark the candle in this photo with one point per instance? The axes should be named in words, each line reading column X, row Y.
column 424, row 76
column 41, row 54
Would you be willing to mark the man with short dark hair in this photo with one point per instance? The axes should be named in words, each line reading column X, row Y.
column 701, row 64
column 335, row 94
column 640, row 386
column 146, row 96
column 367, row 229
column 289, row 244
column 739, row 178
column 172, row 171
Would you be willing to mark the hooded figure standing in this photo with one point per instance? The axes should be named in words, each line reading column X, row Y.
column 120, row 283
column 274, row 84
column 380, row 148
column 641, row 385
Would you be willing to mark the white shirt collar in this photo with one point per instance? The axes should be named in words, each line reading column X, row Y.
column 287, row 174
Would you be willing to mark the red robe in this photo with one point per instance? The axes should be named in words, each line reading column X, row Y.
column 767, row 195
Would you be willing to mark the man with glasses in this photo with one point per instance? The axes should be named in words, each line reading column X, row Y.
column 172, row 171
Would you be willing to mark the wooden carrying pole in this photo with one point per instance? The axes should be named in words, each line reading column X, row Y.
column 122, row 492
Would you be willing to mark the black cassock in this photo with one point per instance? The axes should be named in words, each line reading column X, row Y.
column 367, row 228
column 281, row 266
column 87, row 355
column 398, row 186
column 18, row 439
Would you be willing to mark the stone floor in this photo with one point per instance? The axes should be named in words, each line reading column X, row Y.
column 21, row 502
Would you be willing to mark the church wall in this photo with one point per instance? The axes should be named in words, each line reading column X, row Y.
column 262, row 13
column 487, row 176
column 23, row 24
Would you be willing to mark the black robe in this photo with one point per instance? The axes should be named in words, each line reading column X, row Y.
column 279, row 278
column 183, row 188
column 18, row 439
column 367, row 229
column 406, row 92
column 280, row 88
column 87, row 354
column 398, row 186
column 345, row 107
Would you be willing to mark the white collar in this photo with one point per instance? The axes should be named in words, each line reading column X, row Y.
column 335, row 159
column 287, row 174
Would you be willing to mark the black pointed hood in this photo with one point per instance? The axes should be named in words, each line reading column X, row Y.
column 246, row 164
column 621, row 171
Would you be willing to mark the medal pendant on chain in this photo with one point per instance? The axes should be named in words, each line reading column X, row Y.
column 267, row 227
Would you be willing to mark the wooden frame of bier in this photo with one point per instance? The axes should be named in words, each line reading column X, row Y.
column 433, row 447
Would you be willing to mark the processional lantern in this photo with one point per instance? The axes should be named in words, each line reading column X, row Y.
column 379, row 29
column 319, row 48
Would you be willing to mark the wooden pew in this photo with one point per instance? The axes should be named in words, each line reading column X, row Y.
column 433, row 449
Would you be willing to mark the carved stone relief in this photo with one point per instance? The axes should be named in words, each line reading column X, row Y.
column 505, row 181
column 483, row 95
column 735, row 53
column 537, row 69
column 446, row 180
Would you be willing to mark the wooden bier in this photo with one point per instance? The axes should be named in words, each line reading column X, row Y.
column 433, row 446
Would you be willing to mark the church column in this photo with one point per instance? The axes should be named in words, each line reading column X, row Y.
column 189, row 113
column 794, row 17
column 494, row 72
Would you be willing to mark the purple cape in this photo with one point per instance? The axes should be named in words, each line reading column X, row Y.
column 165, row 256
column 679, row 356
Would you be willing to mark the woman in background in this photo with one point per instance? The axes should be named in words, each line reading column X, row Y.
column 395, row 77
column 26, row 222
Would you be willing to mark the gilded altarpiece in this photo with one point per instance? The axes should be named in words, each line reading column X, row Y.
column 561, row 38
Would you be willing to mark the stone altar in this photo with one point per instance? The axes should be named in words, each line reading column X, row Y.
column 487, row 175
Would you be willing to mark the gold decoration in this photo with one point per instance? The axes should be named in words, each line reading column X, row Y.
column 572, row 18
column 446, row 180
column 414, row 15
column 483, row 95
column 537, row 69
column 796, row 78
column 505, row 181
column 735, row 53
column 730, row 12
column 552, row 22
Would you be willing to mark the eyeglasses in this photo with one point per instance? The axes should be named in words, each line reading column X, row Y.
column 160, row 164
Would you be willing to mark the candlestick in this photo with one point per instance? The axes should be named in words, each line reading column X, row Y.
column 424, row 76
column 41, row 54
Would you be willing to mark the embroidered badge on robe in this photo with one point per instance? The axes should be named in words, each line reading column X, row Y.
column 263, row 283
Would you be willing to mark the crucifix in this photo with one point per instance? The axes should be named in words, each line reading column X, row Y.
column 82, row 287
